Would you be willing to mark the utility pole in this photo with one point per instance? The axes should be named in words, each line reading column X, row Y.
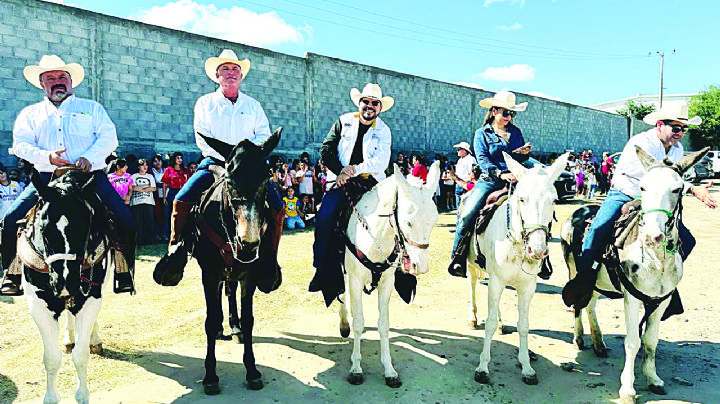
column 662, row 62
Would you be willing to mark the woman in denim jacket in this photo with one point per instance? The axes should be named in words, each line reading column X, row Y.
column 497, row 135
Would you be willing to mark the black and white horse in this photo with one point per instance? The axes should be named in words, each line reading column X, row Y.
column 233, row 245
column 62, row 248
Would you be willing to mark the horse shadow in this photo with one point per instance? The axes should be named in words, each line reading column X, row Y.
column 677, row 362
column 7, row 300
column 8, row 389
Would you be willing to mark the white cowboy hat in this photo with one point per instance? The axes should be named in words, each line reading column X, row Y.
column 675, row 112
column 503, row 99
column 373, row 91
column 50, row 63
column 226, row 56
column 462, row 145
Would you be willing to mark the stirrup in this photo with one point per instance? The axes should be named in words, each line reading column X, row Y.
column 8, row 287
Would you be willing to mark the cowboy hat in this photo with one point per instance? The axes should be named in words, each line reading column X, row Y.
column 503, row 99
column 372, row 91
column 49, row 63
column 462, row 145
column 226, row 56
column 674, row 112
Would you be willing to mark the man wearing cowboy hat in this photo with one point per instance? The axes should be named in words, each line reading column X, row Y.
column 463, row 168
column 357, row 149
column 230, row 116
column 65, row 130
column 661, row 142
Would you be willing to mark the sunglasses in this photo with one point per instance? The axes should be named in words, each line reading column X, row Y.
column 507, row 113
column 679, row 128
column 374, row 103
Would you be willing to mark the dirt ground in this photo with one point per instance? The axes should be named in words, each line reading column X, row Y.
column 155, row 346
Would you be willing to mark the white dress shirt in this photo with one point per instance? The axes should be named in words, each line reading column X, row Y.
column 217, row 117
column 629, row 169
column 79, row 125
column 463, row 168
column 375, row 145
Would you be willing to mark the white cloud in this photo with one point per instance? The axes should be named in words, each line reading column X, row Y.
column 513, row 27
column 489, row 2
column 509, row 73
column 543, row 95
column 234, row 24
column 466, row 84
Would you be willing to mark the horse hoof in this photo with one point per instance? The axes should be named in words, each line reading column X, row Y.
column 356, row 378
column 482, row 377
column 627, row 399
column 96, row 349
column 69, row 348
column 580, row 344
column 256, row 384
column 237, row 338
column 212, row 389
column 531, row 380
column 600, row 352
column 345, row 331
column 473, row 324
column 393, row 382
column 657, row 389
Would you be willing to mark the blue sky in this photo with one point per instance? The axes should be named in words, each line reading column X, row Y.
column 579, row 51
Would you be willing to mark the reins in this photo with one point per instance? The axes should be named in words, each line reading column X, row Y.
column 526, row 229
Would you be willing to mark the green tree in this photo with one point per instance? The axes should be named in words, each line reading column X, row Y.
column 706, row 105
column 637, row 109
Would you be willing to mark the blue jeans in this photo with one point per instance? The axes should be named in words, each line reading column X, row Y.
column 294, row 222
column 459, row 191
column 474, row 202
column 602, row 227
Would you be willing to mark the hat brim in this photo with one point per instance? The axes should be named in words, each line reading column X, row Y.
column 462, row 145
column 386, row 101
column 653, row 117
column 76, row 72
column 493, row 102
column 213, row 63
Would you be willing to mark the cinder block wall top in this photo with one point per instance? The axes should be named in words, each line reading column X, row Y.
column 149, row 77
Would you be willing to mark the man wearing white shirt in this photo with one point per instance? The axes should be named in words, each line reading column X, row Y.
column 663, row 141
column 230, row 116
column 65, row 130
column 463, row 168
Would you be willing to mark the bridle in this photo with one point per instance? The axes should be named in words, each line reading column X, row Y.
column 669, row 245
column 526, row 229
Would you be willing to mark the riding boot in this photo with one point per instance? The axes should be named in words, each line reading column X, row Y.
column 268, row 275
column 10, row 283
column 458, row 265
column 169, row 270
column 579, row 290
column 546, row 270
column 125, row 263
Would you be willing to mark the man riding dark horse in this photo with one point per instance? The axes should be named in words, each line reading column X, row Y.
column 66, row 130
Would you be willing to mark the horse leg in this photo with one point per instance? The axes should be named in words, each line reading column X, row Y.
column 578, row 330
column 49, row 329
column 84, row 323
column 247, row 321
column 495, row 289
column 385, row 289
column 525, row 295
column 213, row 322
column 632, row 345
column 95, row 341
column 355, row 289
column 650, row 340
column 69, row 337
column 595, row 333
column 344, row 324
column 235, row 328
column 472, row 310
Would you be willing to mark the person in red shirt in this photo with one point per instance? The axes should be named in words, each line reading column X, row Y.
column 174, row 177
column 419, row 170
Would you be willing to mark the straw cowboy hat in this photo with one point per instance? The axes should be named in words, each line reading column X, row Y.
column 503, row 99
column 50, row 63
column 675, row 112
column 462, row 145
column 226, row 56
column 372, row 91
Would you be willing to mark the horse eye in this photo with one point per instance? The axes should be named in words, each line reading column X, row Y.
column 642, row 189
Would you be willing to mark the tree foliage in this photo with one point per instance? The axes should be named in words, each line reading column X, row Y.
column 706, row 105
column 637, row 109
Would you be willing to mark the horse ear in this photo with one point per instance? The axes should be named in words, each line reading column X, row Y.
column 41, row 187
column 516, row 168
column 402, row 183
column 433, row 178
column 558, row 166
column 272, row 141
column 645, row 158
column 225, row 149
column 688, row 161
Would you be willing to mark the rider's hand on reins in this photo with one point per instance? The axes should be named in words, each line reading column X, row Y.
column 83, row 164
column 509, row 177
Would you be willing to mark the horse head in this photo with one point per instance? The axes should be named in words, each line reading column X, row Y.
column 533, row 202
column 247, row 175
column 661, row 191
column 60, row 228
column 415, row 214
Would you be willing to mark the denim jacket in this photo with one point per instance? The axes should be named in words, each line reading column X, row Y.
column 489, row 146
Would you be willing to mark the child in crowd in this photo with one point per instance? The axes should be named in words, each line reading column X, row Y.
column 142, row 203
column 292, row 219
column 591, row 182
column 121, row 180
column 9, row 192
column 306, row 209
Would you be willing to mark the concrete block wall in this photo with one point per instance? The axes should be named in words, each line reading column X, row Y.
column 148, row 78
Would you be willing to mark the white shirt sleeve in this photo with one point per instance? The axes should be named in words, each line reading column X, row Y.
column 106, row 140
column 25, row 141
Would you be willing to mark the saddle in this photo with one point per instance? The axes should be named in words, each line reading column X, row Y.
column 494, row 201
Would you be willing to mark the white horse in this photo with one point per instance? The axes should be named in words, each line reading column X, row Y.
column 514, row 244
column 394, row 214
column 651, row 264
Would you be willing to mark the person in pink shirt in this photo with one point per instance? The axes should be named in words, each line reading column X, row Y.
column 419, row 170
column 121, row 180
